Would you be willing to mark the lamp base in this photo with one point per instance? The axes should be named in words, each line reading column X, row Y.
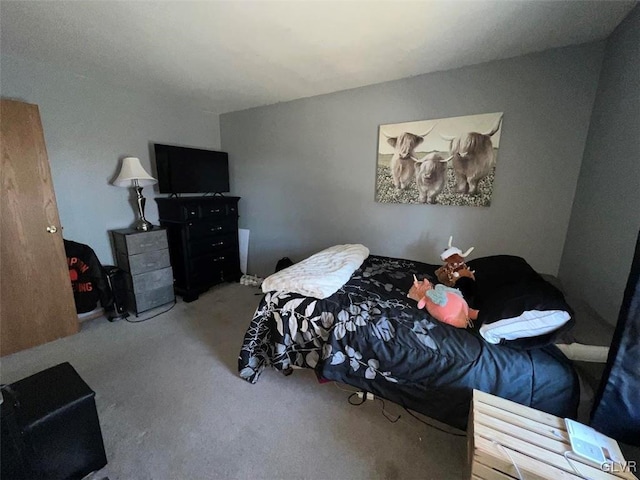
column 144, row 225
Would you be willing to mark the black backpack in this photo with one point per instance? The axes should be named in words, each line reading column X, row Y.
column 283, row 263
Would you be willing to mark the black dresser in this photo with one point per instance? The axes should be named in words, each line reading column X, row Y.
column 203, row 241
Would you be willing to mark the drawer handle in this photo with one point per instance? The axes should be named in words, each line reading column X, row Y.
column 216, row 229
column 217, row 244
column 217, row 210
column 192, row 213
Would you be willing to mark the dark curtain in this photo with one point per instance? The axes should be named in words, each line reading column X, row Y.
column 616, row 411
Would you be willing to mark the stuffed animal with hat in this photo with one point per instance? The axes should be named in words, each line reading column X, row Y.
column 454, row 267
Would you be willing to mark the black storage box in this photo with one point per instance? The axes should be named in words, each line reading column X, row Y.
column 54, row 413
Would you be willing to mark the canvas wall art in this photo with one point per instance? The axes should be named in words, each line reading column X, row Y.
column 445, row 161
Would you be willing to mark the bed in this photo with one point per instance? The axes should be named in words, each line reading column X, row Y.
column 368, row 334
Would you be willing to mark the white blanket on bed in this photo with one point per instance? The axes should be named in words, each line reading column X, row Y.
column 320, row 275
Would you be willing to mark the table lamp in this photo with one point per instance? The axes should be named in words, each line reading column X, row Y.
column 133, row 175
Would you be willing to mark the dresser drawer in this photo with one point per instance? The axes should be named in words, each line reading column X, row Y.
column 144, row 262
column 145, row 282
column 182, row 210
column 213, row 211
column 189, row 211
column 209, row 227
column 203, row 264
column 135, row 243
column 152, row 298
column 215, row 244
column 214, row 268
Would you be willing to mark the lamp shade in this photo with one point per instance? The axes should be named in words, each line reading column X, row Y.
column 130, row 171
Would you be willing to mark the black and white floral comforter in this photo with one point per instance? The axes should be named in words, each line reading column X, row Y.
column 371, row 336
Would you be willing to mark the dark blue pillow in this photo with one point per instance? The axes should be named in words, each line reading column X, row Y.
column 518, row 308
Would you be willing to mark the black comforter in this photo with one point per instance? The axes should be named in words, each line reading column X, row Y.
column 371, row 336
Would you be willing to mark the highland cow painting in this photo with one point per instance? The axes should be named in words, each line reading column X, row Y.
column 446, row 161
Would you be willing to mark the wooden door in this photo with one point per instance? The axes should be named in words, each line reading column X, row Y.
column 37, row 303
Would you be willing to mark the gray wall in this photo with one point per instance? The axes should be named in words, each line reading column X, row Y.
column 606, row 214
column 306, row 168
column 88, row 127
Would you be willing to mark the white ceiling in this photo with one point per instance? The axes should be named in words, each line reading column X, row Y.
column 233, row 55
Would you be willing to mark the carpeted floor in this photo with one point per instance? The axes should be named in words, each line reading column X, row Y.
column 172, row 406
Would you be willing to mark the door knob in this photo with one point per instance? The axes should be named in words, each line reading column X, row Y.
column 52, row 229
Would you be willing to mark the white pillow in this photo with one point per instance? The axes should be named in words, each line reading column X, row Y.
column 530, row 323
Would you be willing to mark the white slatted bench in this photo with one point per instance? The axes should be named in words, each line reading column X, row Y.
column 503, row 434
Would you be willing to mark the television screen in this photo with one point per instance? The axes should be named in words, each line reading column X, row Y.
column 191, row 170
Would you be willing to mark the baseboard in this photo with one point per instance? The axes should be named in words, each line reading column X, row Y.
column 98, row 312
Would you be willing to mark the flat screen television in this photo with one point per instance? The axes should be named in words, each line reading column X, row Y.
column 191, row 170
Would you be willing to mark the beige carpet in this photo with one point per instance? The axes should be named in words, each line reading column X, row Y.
column 172, row 406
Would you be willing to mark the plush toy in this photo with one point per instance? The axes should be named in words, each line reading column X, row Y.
column 443, row 303
column 454, row 267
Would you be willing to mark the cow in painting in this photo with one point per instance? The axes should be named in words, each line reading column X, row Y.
column 431, row 173
column 404, row 160
column 472, row 157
